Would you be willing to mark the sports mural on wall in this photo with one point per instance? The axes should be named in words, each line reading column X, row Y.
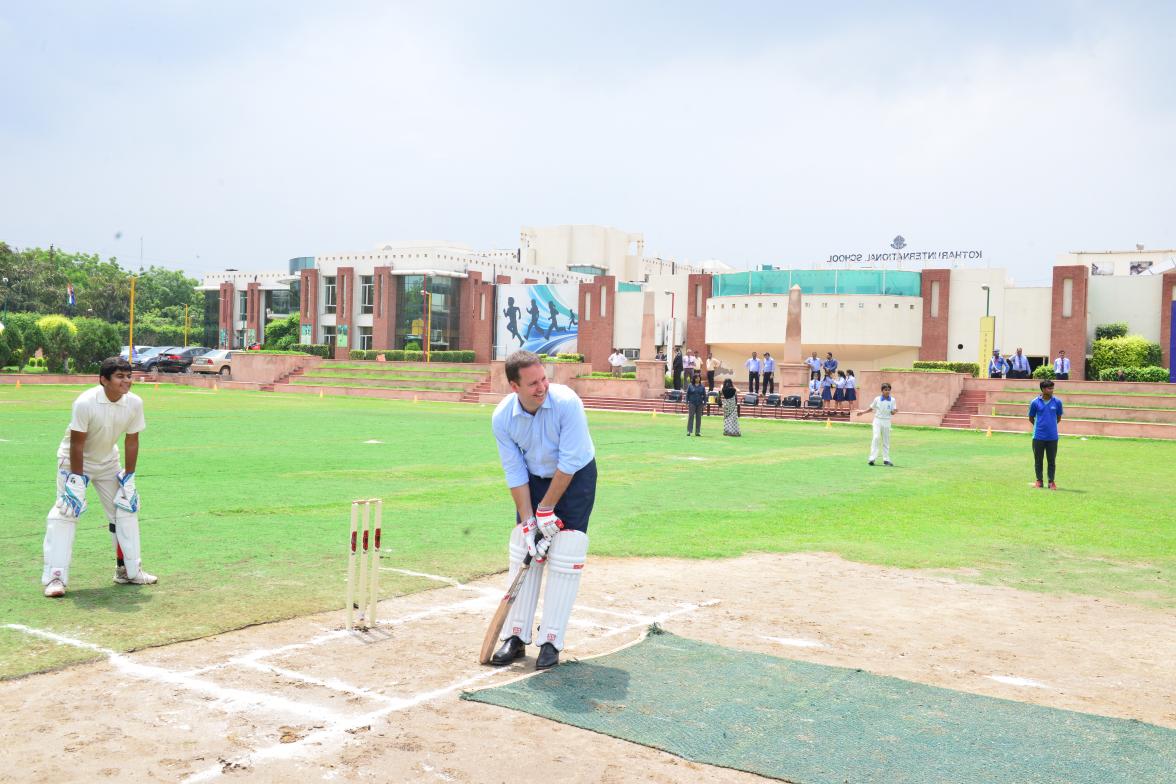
column 537, row 317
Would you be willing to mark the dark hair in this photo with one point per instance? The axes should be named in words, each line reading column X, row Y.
column 841, row 374
column 112, row 365
column 1046, row 383
column 886, row 385
column 519, row 360
column 850, row 372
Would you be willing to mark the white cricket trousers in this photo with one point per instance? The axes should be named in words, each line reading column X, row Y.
column 881, row 436
column 60, row 530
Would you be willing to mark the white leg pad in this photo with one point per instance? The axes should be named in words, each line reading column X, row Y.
column 521, row 619
column 125, row 533
column 568, row 553
column 59, row 539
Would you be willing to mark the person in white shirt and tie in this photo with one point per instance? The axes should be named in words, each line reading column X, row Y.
column 1019, row 365
column 1062, row 367
column 753, row 372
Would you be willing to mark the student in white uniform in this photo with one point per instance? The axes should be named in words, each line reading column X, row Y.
column 88, row 455
column 884, row 407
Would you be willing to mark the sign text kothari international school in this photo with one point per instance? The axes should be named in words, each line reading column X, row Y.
column 917, row 255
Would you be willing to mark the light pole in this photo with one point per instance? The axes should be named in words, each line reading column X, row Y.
column 4, row 302
column 426, row 304
column 987, row 299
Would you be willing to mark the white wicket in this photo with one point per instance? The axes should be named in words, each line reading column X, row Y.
column 363, row 590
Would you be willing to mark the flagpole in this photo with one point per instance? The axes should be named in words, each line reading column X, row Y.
column 131, row 330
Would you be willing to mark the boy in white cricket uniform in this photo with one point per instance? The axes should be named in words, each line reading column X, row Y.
column 88, row 455
column 884, row 407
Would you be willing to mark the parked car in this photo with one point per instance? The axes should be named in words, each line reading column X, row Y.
column 217, row 361
column 138, row 351
column 179, row 360
column 149, row 359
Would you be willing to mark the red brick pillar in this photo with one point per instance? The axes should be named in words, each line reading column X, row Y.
column 934, row 345
column 476, row 323
column 254, row 318
column 1167, row 297
column 384, row 314
column 309, row 304
column 529, row 281
column 503, row 279
column 1068, row 332
column 228, row 292
column 595, row 339
column 344, row 310
column 698, row 291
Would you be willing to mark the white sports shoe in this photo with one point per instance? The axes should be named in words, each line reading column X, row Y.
column 55, row 589
column 142, row 578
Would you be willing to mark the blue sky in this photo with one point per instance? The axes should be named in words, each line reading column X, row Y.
column 238, row 134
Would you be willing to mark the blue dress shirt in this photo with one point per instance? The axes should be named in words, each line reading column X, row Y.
column 554, row 437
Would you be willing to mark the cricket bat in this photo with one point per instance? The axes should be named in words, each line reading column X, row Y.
column 490, row 641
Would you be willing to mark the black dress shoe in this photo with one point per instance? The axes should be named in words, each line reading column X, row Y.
column 513, row 648
column 548, row 657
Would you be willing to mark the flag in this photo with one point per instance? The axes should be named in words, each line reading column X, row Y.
column 69, row 295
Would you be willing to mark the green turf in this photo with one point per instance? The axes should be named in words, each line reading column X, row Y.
column 245, row 505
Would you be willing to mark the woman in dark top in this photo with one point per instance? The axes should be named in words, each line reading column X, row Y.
column 730, row 400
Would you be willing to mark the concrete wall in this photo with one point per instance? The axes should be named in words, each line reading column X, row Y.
column 967, row 308
column 251, row 367
column 1026, row 321
column 627, row 318
column 1124, row 298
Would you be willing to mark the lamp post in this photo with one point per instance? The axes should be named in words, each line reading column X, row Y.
column 4, row 302
column 427, row 305
column 673, row 332
column 987, row 299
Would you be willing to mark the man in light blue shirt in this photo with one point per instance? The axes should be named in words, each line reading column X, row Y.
column 768, row 370
column 814, row 364
column 1019, row 365
column 830, row 364
column 550, row 465
column 1062, row 366
column 753, row 372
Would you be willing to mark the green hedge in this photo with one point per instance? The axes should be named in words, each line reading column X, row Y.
column 1042, row 372
column 971, row 368
column 917, row 370
column 1116, row 329
column 399, row 355
column 1129, row 351
column 1150, row 373
column 316, row 349
column 602, row 374
column 270, row 351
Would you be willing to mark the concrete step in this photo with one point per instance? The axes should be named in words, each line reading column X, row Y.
column 348, row 381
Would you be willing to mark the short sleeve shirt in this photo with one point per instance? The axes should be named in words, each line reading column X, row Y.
column 104, row 423
column 883, row 408
column 1045, row 418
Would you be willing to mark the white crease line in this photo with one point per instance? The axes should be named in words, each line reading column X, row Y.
column 337, row 733
column 334, row 684
column 446, row 580
column 616, row 613
column 1012, row 680
column 796, row 642
column 683, row 609
column 227, row 698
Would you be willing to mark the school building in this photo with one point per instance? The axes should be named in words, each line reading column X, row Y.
column 596, row 277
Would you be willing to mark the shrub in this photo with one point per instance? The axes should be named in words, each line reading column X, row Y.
column 8, row 352
column 359, row 353
column 411, row 355
column 1150, row 373
column 569, row 357
column 26, row 336
column 282, row 352
column 60, row 336
column 1129, row 351
column 316, row 349
column 394, row 355
column 1042, row 372
column 972, row 368
column 96, row 340
column 282, row 334
column 1116, row 329
column 412, row 345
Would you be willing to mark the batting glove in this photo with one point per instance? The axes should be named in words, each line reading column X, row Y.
column 72, row 501
column 127, row 497
column 549, row 525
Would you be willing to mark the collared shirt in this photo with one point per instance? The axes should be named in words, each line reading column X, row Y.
column 851, row 382
column 1062, row 365
column 104, row 423
column 554, row 437
column 769, row 365
column 752, row 365
column 617, row 359
column 997, row 367
column 1020, row 362
column 712, row 363
column 1044, row 414
column 884, row 408
column 814, row 363
column 830, row 365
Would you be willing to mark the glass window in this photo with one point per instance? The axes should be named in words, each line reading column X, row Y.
column 279, row 302
column 242, row 305
column 366, row 294
column 329, row 335
column 443, row 317
column 365, row 338
column 329, row 294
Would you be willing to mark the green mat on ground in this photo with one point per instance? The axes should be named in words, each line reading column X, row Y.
column 814, row 724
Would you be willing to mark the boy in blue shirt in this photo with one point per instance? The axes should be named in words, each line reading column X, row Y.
column 1045, row 412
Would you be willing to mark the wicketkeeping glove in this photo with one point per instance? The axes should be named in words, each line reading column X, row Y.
column 127, row 497
column 72, row 501
column 549, row 525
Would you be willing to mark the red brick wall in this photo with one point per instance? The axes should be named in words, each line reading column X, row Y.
column 309, row 306
column 698, row 291
column 384, row 315
column 1069, row 334
column 345, row 309
column 227, row 294
column 595, row 339
column 254, row 318
column 1168, row 284
column 934, row 345
column 476, row 324
column 502, row 279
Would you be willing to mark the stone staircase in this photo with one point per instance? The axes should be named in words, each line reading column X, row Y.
column 446, row 381
column 960, row 415
column 1099, row 409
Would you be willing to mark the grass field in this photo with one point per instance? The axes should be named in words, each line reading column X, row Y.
column 245, row 507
